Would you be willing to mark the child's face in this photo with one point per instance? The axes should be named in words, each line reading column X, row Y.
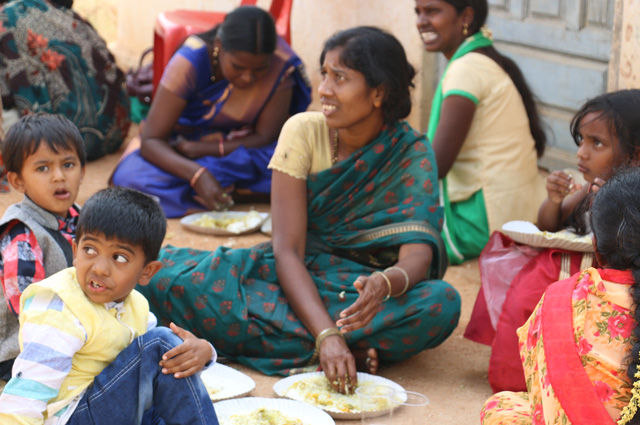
column 598, row 152
column 50, row 179
column 108, row 269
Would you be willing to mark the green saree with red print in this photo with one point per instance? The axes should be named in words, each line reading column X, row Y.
column 359, row 212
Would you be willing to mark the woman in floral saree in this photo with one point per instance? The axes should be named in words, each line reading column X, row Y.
column 579, row 348
column 356, row 257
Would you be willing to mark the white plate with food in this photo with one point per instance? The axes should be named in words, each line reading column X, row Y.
column 224, row 382
column 266, row 227
column 314, row 388
column 269, row 411
column 528, row 233
column 224, row 223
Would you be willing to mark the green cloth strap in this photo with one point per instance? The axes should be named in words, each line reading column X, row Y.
column 463, row 94
column 472, row 43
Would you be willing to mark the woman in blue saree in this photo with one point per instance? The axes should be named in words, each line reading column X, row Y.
column 216, row 116
column 352, row 275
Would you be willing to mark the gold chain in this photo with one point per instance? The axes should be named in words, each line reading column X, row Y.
column 334, row 159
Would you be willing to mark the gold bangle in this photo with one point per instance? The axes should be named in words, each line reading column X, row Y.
column 196, row 176
column 386, row 278
column 406, row 279
column 326, row 333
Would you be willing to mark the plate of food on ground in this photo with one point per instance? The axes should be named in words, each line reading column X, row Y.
column 314, row 388
column 224, row 223
column 266, row 226
column 528, row 233
column 224, row 382
column 269, row 411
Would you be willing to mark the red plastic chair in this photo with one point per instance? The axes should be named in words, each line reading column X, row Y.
column 173, row 27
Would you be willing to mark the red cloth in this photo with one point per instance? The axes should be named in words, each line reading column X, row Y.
column 522, row 297
column 571, row 384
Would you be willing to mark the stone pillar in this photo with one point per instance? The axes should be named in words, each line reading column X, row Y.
column 624, row 67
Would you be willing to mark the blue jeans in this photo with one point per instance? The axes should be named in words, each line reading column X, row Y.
column 134, row 383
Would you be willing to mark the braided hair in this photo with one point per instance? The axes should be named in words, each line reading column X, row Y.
column 615, row 221
column 480, row 13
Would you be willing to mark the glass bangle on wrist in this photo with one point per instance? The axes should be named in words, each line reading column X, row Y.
column 326, row 333
column 406, row 279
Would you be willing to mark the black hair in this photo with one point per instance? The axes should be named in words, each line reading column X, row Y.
column 619, row 110
column 66, row 3
column 380, row 57
column 480, row 13
column 615, row 220
column 25, row 136
column 245, row 29
column 126, row 215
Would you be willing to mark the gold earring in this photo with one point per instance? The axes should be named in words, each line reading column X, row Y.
column 465, row 30
column 216, row 51
column 377, row 104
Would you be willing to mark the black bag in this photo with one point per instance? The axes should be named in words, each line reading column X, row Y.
column 139, row 81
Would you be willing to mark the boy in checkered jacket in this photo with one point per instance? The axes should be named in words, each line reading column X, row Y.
column 45, row 159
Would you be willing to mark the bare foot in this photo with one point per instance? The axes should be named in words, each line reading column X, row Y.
column 367, row 360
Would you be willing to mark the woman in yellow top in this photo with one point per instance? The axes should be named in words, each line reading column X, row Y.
column 484, row 126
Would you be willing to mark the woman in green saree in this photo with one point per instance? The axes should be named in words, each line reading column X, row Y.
column 352, row 275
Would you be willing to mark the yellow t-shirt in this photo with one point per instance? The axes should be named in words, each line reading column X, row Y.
column 498, row 155
column 304, row 146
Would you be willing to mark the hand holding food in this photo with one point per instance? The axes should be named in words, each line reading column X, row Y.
column 560, row 185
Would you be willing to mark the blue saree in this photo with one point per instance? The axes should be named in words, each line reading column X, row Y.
column 360, row 211
column 214, row 107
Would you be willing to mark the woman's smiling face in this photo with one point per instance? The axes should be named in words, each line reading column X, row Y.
column 440, row 26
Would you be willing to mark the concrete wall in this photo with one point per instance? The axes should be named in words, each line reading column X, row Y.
column 312, row 21
column 624, row 68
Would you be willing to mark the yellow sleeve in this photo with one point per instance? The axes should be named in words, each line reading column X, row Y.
column 293, row 154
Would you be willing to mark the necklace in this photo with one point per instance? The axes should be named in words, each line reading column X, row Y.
column 334, row 158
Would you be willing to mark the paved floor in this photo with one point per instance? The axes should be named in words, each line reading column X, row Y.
column 453, row 375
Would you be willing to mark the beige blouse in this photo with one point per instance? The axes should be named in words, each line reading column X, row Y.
column 498, row 155
column 304, row 146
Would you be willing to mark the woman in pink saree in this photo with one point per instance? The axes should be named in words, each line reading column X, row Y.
column 579, row 348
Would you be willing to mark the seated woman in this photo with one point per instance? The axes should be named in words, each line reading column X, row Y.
column 579, row 348
column 216, row 116
column 352, row 276
column 484, row 127
column 52, row 60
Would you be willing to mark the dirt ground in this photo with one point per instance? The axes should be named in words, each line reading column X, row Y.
column 453, row 376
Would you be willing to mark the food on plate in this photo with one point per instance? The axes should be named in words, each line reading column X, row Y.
column 318, row 392
column 213, row 390
column 261, row 416
column 566, row 235
column 229, row 222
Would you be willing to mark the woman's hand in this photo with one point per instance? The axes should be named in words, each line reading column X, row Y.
column 208, row 146
column 187, row 358
column 372, row 289
column 338, row 364
column 210, row 194
column 560, row 185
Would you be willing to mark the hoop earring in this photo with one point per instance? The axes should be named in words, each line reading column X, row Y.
column 465, row 30
column 216, row 51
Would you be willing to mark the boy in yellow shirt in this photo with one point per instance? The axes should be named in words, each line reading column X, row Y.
column 90, row 351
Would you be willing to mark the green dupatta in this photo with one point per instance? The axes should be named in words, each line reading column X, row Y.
column 476, row 41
